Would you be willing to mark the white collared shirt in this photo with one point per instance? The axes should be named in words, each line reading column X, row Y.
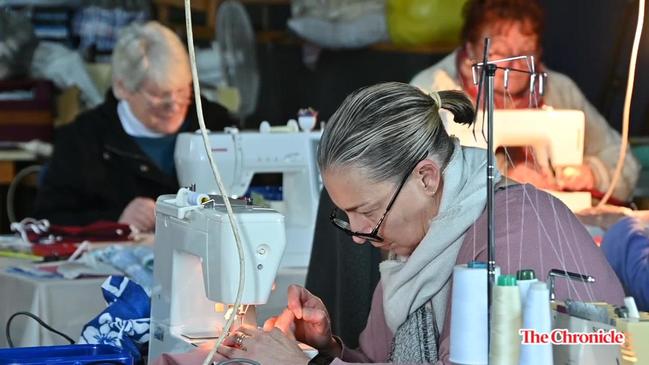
column 132, row 126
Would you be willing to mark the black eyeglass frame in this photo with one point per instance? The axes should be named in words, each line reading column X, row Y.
column 374, row 234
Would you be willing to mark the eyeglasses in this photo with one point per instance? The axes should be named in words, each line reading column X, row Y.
column 180, row 98
column 373, row 236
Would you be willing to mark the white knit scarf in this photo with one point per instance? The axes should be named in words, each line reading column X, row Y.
column 408, row 283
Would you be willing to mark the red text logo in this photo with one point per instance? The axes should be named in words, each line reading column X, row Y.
column 564, row 337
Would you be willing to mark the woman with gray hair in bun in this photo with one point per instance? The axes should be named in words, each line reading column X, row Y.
column 115, row 159
column 401, row 183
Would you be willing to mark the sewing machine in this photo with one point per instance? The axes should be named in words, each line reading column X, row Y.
column 240, row 155
column 196, row 269
column 557, row 136
column 636, row 332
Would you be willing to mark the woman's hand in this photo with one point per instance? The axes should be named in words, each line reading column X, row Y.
column 271, row 347
column 140, row 213
column 576, row 178
column 306, row 318
column 285, row 322
column 604, row 216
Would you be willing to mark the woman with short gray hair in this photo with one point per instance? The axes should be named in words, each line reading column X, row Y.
column 149, row 61
column 115, row 159
column 149, row 51
column 401, row 183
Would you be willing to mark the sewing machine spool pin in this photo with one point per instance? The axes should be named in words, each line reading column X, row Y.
column 556, row 273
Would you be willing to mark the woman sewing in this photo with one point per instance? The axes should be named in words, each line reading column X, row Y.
column 402, row 184
column 515, row 28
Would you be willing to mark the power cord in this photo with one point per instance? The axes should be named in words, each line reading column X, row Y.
column 13, row 186
column 37, row 319
column 627, row 104
column 219, row 182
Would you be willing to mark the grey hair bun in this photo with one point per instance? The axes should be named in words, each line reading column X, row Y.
column 459, row 104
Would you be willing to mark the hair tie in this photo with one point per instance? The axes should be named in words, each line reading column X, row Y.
column 436, row 97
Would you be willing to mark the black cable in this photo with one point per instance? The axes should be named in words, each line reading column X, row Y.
column 238, row 361
column 34, row 317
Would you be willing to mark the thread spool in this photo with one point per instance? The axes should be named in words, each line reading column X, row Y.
column 469, row 315
column 505, row 322
column 537, row 317
column 524, row 279
column 629, row 303
column 306, row 122
column 290, row 127
column 194, row 198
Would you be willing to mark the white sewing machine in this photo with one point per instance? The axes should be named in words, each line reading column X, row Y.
column 632, row 351
column 240, row 155
column 555, row 135
column 196, row 269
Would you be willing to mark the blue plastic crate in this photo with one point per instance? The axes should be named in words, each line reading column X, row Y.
column 65, row 355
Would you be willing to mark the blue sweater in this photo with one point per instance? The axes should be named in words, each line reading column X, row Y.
column 626, row 246
column 160, row 150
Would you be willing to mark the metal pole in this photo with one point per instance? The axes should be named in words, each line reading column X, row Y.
column 491, row 250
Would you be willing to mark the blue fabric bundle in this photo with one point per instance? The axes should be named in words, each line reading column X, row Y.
column 125, row 322
column 626, row 246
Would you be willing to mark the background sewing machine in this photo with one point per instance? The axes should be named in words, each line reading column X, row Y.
column 557, row 137
column 240, row 155
column 636, row 333
column 197, row 266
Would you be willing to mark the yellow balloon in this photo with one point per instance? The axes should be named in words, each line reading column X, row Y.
column 416, row 22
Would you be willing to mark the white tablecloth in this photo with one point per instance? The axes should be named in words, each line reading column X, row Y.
column 66, row 305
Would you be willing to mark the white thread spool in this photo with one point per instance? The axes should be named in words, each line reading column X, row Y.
column 629, row 303
column 194, row 198
column 306, row 122
column 537, row 317
column 524, row 279
column 469, row 315
column 505, row 322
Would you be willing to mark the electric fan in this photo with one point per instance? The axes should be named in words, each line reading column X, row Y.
column 238, row 59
